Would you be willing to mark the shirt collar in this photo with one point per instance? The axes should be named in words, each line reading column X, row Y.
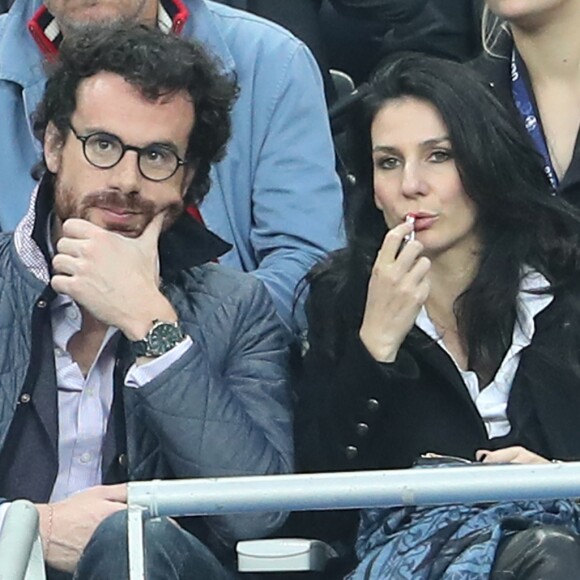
column 533, row 297
column 171, row 17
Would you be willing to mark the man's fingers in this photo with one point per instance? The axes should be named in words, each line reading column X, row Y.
column 70, row 246
column 151, row 233
column 116, row 493
column 61, row 284
column 63, row 264
column 79, row 229
column 115, row 506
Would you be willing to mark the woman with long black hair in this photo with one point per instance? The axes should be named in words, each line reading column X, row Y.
column 450, row 324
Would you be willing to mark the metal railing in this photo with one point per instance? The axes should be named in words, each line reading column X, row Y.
column 322, row 491
column 20, row 546
column 21, row 551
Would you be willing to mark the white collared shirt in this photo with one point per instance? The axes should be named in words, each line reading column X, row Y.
column 491, row 401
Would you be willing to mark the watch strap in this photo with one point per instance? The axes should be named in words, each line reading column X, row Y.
column 161, row 338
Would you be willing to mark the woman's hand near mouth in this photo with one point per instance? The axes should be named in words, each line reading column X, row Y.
column 398, row 288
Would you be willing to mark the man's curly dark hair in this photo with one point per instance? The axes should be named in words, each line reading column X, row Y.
column 156, row 64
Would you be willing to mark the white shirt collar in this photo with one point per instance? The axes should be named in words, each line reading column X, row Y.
column 491, row 402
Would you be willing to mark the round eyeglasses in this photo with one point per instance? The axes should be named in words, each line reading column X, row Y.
column 156, row 162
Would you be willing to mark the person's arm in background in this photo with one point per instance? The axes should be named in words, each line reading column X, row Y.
column 297, row 196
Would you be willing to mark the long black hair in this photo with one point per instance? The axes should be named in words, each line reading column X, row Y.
column 519, row 221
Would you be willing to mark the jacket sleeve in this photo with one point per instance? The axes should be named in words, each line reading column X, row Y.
column 222, row 409
column 297, row 197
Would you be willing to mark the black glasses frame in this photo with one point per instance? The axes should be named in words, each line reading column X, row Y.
column 124, row 148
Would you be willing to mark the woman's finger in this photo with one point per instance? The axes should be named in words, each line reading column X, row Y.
column 392, row 242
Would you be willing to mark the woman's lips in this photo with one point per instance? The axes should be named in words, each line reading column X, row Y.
column 421, row 220
column 424, row 222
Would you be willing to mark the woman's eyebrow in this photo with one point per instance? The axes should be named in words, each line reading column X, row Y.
column 427, row 143
column 435, row 141
column 385, row 148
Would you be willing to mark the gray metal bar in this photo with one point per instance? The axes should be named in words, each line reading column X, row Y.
column 320, row 491
column 36, row 569
column 135, row 516
column 18, row 538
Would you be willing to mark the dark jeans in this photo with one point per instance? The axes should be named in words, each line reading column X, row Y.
column 539, row 553
column 171, row 554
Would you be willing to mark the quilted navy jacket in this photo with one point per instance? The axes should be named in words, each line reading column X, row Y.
column 222, row 409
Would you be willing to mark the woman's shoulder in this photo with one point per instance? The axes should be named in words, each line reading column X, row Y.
column 560, row 321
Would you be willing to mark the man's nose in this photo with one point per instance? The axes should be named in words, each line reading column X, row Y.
column 126, row 175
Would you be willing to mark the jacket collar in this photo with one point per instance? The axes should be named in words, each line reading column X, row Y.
column 496, row 69
column 172, row 15
column 187, row 243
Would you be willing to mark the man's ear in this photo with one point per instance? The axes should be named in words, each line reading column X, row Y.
column 53, row 144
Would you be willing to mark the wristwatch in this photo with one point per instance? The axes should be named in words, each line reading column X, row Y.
column 162, row 337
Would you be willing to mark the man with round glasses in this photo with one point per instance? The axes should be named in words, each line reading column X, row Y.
column 275, row 195
column 156, row 162
column 128, row 353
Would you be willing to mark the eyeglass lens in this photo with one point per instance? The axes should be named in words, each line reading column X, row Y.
column 155, row 162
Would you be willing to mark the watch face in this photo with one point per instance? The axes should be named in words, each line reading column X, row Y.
column 163, row 338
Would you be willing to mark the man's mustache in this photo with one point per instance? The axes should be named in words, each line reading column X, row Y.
column 115, row 199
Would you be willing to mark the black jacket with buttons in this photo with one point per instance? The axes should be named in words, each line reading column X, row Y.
column 358, row 414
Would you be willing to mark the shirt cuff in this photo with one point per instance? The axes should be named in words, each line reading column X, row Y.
column 145, row 373
column 3, row 509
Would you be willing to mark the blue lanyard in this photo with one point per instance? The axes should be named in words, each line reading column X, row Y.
column 525, row 106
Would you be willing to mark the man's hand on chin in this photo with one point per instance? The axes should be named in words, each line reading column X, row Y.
column 115, row 278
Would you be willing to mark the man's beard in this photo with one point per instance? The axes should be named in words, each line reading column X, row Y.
column 68, row 205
